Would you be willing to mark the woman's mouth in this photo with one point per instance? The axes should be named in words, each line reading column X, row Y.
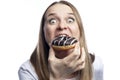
column 61, row 35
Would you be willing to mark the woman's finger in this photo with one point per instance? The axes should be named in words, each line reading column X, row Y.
column 51, row 54
column 83, row 54
column 80, row 63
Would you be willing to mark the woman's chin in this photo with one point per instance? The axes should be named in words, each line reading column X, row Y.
column 63, row 54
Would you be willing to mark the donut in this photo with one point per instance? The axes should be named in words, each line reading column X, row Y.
column 64, row 43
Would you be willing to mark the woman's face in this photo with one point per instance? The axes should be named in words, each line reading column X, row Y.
column 60, row 20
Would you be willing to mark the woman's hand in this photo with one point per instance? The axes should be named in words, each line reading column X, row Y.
column 61, row 68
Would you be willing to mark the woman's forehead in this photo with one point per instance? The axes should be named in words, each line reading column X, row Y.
column 59, row 9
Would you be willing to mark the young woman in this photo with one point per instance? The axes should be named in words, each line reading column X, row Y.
column 60, row 19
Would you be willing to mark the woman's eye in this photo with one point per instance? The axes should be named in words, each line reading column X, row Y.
column 52, row 21
column 70, row 20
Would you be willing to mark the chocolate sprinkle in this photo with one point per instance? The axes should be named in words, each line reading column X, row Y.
column 64, row 41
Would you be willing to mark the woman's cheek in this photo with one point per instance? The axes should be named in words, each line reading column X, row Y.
column 76, row 31
column 49, row 34
column 46, row 33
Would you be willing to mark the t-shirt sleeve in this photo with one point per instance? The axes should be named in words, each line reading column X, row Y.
column 27, row 72
column 98, row 68
column 25, row 75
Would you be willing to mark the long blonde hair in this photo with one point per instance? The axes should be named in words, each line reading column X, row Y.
column 39, row 57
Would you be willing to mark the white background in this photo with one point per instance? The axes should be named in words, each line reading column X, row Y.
column 19, row 27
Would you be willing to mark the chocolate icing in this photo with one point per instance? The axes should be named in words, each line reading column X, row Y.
column 64, row 41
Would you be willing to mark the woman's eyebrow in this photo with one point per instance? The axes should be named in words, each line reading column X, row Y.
column 51, row 14
column 71, row 13
column 54, row 14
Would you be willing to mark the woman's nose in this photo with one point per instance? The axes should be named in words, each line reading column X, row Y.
column 62, row 25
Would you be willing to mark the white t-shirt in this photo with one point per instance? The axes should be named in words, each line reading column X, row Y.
column 27, row 72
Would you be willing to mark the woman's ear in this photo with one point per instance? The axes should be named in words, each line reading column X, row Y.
column 92, row 56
